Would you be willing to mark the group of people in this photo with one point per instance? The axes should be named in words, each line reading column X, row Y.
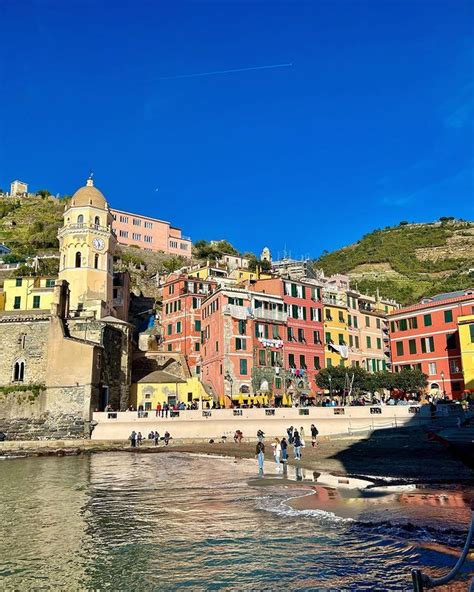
column 136, row 439
column 280, row 446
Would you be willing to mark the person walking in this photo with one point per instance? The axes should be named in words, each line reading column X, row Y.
column 167, row 438
column 157, row 438
column 289, row 431
column 297, row 445
column 260, row 435
column 139, row 439
column 314, row 435
column 133, row 439
column 303, row 443
column 277, row 453
column 260, row 454
column 284, row 450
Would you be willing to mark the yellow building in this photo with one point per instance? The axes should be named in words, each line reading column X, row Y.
column 162, row 387
column 27, row 293
column 466, row 340
column 86, row 245
column 336, row 333
column 245, row 275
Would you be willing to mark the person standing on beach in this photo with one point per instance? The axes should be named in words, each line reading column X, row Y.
column 277, row 452
column 303, row 443
column 284, row 450
column 139, row 439
column 314, row 435
column 289, row 431
column 260, row 435
column 260, row 453
column 133, row 439
column 297, row 445
column 157, row 438
column 158, row 410
column 167, row 438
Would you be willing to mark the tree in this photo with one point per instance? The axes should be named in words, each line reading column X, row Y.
column 43, row 192
column 410, row 381
column 13, row 258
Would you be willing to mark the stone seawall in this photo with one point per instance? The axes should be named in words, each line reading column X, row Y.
column 43, row 414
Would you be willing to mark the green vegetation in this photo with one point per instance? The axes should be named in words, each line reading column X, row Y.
column 407, row 381
column 213, row 250
column 408, row 261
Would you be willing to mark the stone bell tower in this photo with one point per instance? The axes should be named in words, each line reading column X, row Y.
column 86, row 245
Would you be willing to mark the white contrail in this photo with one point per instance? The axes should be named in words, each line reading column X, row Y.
column 228, row 71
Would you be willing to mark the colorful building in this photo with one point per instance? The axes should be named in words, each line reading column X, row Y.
column 166, row 389
column 181, row 316
column 336, row 329
column 150, row 234
column 303, row 348
column 426, row 336
column 466, row 341
column 27, row 293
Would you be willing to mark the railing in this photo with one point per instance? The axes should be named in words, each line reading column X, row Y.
column 85, row 227
column 270, row 315
column 237, row 311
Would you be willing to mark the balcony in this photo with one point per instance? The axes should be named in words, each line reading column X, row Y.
column 237, row 312
column 270, row 315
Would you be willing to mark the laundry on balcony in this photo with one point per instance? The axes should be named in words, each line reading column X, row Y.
column 278, row 343
column 343, row 350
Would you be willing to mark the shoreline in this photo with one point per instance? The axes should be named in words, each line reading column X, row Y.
column 384, row 459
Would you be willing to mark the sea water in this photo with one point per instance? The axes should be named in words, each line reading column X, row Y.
column 123, row 521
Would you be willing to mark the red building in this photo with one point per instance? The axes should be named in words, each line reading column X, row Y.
column 181, row 317
column 242, row 345
column 303, row 337
column 425, row 336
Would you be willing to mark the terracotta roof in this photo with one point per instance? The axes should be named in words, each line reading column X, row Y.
column 433, row 303
column 89, row 196
column 160, row 377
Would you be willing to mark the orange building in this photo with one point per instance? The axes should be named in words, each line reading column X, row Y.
column 181, row 317
column 426, row 336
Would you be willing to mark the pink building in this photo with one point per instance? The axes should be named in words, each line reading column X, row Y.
column 150, row 234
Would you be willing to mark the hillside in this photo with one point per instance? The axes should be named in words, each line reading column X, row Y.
column 408, row 261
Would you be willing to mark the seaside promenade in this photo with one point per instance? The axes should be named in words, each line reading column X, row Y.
column 218, row 423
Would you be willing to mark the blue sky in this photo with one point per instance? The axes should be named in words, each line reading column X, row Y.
column 372, row 124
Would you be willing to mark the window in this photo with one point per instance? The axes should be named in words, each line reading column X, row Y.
column 349, row 320
column 170, row 347
column 50, row 283
column 291, row 361
column 80, row 219
column 197, row 346
column 243, row 367
column 290, row 334
column 301, row 337
column 412, row 346
column 97, row 221
column 378, row 323
column 123, row 233
column 341, row 339
column 217, row 346
column 328, row 337
column 19, row 371
column 403, row 325
column 328, row 314
column 136, row 236
column 413, row 323
column 170, row 329
column 448, row 316
column 316, row 314
column 356, row 339
column 427, row 320
column 78, row 259
column 356, row 322
column 351, row 341
column 240, row 343
column 197, row 325
column 471, row 332
column 148, row 224
column 392, row 326
column 241, row 327
column 36, row 301
column 379, row 343
column 317, row 337
column 369, row 341
column 96, row 261
column 341, row 317
column 399, row 348
column 275, row 332
column 303, row 362
column 317, row 363
column 148, row 238
column 329, row 363
column 174, row 244
column 124, row 219
column 451, row 341
column 261, row 357
column 427, row 345
column 137, row 222
column 367, row 321
column 18, row 282
column 17, row 302
column 454, row 366
column 277, row 382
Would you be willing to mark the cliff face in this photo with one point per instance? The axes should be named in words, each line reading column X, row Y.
column 408, row 261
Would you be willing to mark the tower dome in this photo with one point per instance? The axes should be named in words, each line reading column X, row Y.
column 89, row 196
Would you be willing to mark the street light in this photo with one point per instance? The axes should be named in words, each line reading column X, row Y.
column 330, row 386
column 442, row 378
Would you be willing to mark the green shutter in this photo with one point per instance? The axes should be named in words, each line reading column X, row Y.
column 412, row 346
column 197, row 325
column 448, row 316
column 427, row 320
column 379, row 343
column 36, row 301
column 399, row 348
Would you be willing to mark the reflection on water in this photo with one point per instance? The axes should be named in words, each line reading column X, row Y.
column 161, row 522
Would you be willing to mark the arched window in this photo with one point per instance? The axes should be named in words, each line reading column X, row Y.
column 97, row 221
column 80, row 219
column 78, row 259
column 19, row 371
column 96, row 261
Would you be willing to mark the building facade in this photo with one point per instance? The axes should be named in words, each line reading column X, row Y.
column 28, row 293
column 426, row 336
column 336, row 330
column 150, row 234
column 466, row 340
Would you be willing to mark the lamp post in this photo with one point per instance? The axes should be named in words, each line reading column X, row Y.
column 330, row 386
column 442, row 378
